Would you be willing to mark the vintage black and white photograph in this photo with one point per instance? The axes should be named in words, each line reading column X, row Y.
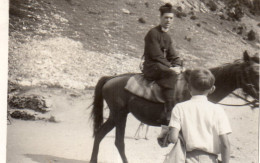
column 132, row 81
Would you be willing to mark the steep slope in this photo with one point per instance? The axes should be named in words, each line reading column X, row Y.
column 72, row 43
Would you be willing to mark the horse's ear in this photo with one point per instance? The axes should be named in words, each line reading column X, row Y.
column 246, row 56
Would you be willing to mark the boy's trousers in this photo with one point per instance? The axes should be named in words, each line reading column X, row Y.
column 197, row 156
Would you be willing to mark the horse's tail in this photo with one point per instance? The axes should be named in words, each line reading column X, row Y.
column 97, row 109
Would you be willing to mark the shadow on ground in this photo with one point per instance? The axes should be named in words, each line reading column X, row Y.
column 52, row 159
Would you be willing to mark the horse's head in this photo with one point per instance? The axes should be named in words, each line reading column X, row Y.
column 250, row 77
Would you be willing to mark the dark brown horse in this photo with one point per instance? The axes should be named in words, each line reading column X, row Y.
column 240, row 74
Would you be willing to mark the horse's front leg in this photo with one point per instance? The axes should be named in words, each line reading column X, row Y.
column 101, row 133
column 120, row 135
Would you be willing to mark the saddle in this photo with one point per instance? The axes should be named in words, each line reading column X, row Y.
column 151, row 91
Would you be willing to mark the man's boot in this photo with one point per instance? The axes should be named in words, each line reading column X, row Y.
column 168, row 106
column 169, row 103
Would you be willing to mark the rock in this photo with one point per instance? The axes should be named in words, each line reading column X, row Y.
column 141, row 20
column 180, row 14
column 212, row 5
column 179, row 8
column 125, row 11
column 33, row 102
column 22, row 115
column 221, row 16
column 193, row 17
column 191, row 13
column 52, row 119
column 25, row 83
column 235, row 12
column 187, row 38
column 146, row 4
column 241, row 30
column 12, row 87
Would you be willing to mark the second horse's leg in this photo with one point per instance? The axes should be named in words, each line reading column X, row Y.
column 146, row 132
column 137, row 136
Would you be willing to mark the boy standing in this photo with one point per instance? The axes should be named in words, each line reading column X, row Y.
column 204, row 125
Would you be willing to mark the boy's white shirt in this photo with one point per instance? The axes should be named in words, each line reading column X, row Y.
column 201, row 123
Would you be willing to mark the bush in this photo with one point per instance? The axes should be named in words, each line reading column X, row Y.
column 141, row 20
column 22, row 115
column 251, row 36
column 193, row 17
column 33, row 102
column 212, row 5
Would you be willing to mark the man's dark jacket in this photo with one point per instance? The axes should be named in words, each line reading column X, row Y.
column 159, row 56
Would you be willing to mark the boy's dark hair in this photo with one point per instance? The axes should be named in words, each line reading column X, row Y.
column 201, row 79
column 167, row 8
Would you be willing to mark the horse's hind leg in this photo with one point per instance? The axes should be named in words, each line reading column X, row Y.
column 120, row 135
column 101, row 133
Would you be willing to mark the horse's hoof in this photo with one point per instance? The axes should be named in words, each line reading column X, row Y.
column 146, row 138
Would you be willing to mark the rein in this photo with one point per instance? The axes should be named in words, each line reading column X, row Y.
column 253, row 104
column 245, row 80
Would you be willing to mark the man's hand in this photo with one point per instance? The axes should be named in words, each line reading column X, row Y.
column 177, row 70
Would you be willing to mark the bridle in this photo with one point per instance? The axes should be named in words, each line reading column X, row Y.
column 247, row 82
column 252, row 104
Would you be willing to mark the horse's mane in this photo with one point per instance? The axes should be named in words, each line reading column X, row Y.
column 228, row 70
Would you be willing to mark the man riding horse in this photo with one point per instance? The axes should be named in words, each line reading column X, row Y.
column 161, row 62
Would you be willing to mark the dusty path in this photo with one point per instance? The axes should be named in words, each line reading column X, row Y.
column 70, row 140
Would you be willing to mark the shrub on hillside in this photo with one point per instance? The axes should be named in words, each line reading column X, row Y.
column 235, row 13
column 193, row 17
column 212, row 5
column 251, row 36
column 179, row 12
column 22, row 115
column 33, row 102
column 141, row 20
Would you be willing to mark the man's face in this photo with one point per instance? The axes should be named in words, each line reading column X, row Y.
column 166, row 20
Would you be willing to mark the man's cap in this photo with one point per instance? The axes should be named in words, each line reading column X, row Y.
column 167, row 8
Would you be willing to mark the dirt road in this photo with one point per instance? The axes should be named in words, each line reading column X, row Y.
column 70, row 140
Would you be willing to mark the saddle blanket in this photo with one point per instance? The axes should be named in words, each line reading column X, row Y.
column 141, row 87
column 151, row 91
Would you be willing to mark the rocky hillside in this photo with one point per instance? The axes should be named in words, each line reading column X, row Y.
column 72, row 43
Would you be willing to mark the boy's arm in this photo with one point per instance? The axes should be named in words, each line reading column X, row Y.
column 174, row 134
column 175, row 125
column 225, row 148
